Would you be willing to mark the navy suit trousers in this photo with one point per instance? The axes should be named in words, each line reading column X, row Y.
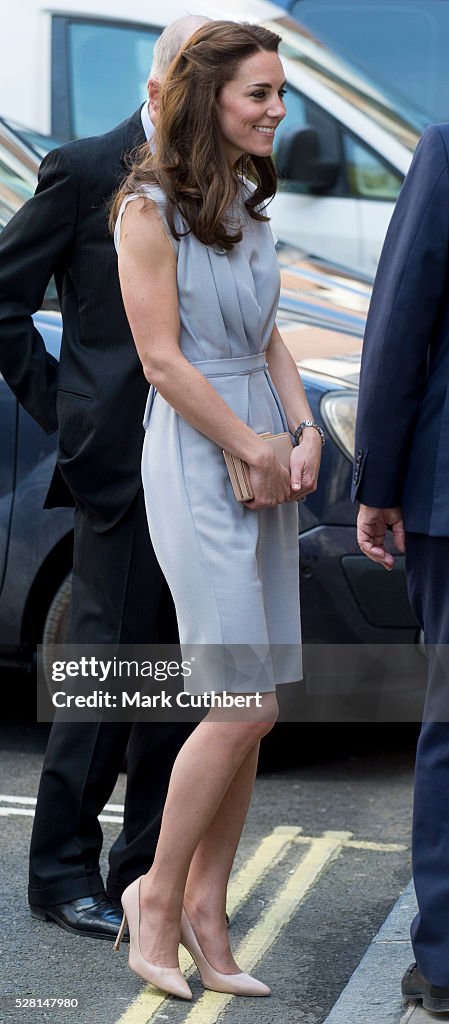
column 427, row 562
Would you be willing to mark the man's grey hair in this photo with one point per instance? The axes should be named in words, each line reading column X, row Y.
column 171, row 40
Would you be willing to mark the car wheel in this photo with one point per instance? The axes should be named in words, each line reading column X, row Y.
column 57, row 625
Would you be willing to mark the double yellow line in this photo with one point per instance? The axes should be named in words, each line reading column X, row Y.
column 321, row 850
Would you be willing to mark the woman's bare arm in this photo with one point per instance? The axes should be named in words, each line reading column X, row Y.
column 306, row 458
column 147, row 270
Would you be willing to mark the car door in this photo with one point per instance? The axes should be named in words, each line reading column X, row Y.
column 345, row 222
column 326, row 225
column 17, row 181
column 8, row 434
column 375, row 186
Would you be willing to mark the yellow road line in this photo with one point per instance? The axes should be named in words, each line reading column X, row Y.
column 268, row 852
column 361, row 844
column 253, row 947
column 144, row 1009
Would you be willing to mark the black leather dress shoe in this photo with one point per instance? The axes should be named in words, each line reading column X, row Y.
column 96, row 916
column 415, row 986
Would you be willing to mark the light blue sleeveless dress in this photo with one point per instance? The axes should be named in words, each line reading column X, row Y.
column 233, row 573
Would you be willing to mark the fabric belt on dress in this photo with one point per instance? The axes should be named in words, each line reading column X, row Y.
column 232, row 366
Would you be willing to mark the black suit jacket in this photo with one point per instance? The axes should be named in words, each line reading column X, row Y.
column 95, row 397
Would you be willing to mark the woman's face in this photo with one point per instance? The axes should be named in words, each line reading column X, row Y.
column 251, row 105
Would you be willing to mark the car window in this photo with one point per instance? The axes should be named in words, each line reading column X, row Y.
column 103, row 69
column 17, row 178
column 401, row 45
column 364, row 174
column 39, row 143
column 367, row 175
column 303, row 112
column 296, row 115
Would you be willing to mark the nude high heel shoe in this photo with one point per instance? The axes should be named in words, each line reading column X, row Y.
column 238, row 984
column 169, row 979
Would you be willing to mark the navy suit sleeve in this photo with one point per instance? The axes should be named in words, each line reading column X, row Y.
column 33, row 246
column 409, row 290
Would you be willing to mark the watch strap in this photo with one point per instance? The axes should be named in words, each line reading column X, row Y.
column 302, row 426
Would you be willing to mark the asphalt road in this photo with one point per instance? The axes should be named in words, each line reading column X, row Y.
column 325, row 854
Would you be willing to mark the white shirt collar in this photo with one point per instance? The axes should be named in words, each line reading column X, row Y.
column 147, row 123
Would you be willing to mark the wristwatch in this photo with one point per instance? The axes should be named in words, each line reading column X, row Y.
column 308, row 423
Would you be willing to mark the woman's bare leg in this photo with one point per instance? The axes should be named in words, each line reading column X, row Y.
column 201, row 776
column 211, row 865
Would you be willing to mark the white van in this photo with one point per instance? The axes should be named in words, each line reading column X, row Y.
column 400, row 44
column 77, row 67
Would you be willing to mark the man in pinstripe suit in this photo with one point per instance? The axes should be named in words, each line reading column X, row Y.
column 94, row 398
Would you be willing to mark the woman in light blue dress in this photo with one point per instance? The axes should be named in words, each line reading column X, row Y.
column 200, row 283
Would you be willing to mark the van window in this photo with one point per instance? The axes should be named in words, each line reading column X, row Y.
column 363, row 174
column 367, row 175
column 102, row 69
column 301, row 113
column 296, row 116
column 401, row 45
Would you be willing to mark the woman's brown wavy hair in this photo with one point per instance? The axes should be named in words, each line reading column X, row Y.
column 188, row 160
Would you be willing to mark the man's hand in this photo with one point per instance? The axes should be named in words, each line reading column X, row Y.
column 372, row 526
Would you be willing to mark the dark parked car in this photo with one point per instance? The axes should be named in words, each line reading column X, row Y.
column 346, row 600
column 35, row 545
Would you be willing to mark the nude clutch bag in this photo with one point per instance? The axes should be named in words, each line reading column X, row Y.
column 238, row 470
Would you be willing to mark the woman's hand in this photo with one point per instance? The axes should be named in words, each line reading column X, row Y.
column 305, row 465
column 270, row 482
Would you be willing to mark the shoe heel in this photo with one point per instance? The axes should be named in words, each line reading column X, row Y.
column 39, row 914
column 168, row 979
column 240, row 984
column 120, row 934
